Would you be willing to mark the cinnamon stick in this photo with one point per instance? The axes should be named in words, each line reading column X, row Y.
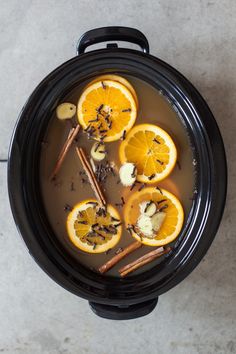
column 147, row 258
column 91, row 176
column 127, row 250
column 61, row 157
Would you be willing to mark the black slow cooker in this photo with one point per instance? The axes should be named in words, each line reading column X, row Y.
column 137, row 295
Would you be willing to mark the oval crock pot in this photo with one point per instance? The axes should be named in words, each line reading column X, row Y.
column 136, row 295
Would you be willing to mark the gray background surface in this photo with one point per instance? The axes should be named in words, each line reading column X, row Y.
column 199, row 315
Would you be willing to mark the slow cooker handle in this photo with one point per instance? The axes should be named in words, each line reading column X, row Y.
column 123, row 313
column 114, row 33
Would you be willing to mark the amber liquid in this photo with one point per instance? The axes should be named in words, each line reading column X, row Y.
column 70, row 189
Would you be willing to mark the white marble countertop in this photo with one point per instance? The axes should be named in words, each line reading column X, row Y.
column 199, row 315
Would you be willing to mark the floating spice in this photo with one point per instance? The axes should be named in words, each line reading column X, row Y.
column 72, row 187
column 91, row 234
column 152, row 176
column 83, row 222
column 133, row 174
column 92, row 203
column 143, row 185
column 114, row 219
column 147, row 258
column 163, row 207
column 192, row 198
column 107, row 118
column 147, row 206
column 123, row 135
column 160, row 162
column 97, row 146
column 126, row 110
column 130, row 228
column 91, row 176
column 103, row 85
column 100, row 108
column 94, row 120
column 140, row 236
column 156, row 141
column 67, row 207
column 121, row 204
column 133, row 185
column 84, row 180
column 108, row 229
column 44, row 144
column 100, row 235
column 70, row 138
column 159, row 190
column 87, row 128
column 114, row 260
column 162, row 201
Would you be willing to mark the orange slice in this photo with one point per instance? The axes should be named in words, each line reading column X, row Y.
column 119, row 79
column 106, row 110
column 166, row 203
column 152, row 151
column 93, row 229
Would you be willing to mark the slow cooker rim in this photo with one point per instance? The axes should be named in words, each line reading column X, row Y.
column 11, row 153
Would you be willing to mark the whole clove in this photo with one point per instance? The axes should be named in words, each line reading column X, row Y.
column 100, row 108
column 114, row 219
column 133, row 174
column 156, row 141
column 94, row 120
column 159, row 190
column 83, row 222
column 132, row 187
column 143, row 185
column 163, row 207
column 126, row 110
column 67, row 207
column 92, row 203
column 162, row 201
column 151, row 177
column 160, row 162
column 123, row 135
